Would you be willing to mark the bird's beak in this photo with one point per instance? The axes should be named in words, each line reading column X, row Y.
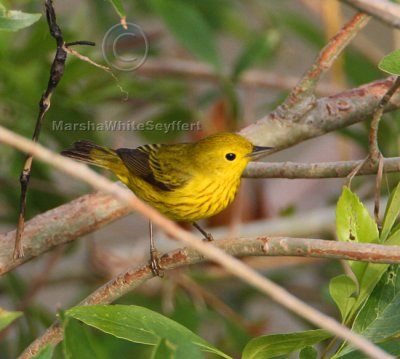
column 258, row 152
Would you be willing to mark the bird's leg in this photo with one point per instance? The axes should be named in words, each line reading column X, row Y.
column 154, row 255
column 207, row 236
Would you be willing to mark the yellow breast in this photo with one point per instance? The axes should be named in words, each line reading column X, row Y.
column 198, row 199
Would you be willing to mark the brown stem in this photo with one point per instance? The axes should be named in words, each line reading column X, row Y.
column 378, row 184
column 56, row 73
column 301, row 99
column 320, row 169
column 376, row 118
column 69, row 222
column 328, row 114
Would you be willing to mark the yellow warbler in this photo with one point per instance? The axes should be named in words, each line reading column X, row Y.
column 186, row 182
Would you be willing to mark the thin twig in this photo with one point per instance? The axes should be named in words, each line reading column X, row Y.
column 301, row 99
column 213, row 301
column 376, row 118
column 374, row 152
column 56, row 73
column 386, row 11
column 378, row 183
column 208, row 250
column 338, row 169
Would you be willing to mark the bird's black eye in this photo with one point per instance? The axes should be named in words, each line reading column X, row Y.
column 230, row 156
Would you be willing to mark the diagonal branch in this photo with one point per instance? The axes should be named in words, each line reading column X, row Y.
column 233, row 265
column 329, row 114
column 301, row 99
column 137, row 275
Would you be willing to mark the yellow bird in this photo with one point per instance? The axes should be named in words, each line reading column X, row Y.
column 186, row 182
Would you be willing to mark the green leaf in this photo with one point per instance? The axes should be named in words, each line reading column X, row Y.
column 269, row 346
column 308, row 353
column 260, row 49
column 391, row 63
column 372, row 274
column 353, row 221
column 164, row 351
column 391, row 213
column 119, row 8
column 141, row 325
column 354, row 224
column 76, row 342
column 12, row 20
column 45, row 353
column 7, row 318
column 392, row 347
column 342, row 290
column 379, row 318
column 189, row 27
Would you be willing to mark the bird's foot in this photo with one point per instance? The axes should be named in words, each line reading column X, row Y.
column 208, row 237
column 155, row 266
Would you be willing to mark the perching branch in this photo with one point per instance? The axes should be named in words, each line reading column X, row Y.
column 338, row 169
column 337, row 111
column 56, row 73
column 208, row 250
column 137, row 275
column 73, row 220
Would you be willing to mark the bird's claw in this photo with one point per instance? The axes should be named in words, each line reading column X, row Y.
column 208, row 237
column 156, row 269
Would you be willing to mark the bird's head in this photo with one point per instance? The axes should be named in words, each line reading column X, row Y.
column 225, row 153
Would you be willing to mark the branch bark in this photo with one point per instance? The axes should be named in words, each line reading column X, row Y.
column 318, row 170
column 56, row 73
column 233, row 265
column 60, row 225
column 329, row 114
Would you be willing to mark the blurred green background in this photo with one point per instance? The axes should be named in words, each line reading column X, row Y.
column 199, row 54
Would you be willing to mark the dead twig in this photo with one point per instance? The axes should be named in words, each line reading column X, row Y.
column 301, row 99
column 56, row 73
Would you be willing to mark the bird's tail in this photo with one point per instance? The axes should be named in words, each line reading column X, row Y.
column 89, row 152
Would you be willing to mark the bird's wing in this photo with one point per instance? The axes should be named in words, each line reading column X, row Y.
column 157, row 164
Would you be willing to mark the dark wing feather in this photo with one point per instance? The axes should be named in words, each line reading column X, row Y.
column 145, row 163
